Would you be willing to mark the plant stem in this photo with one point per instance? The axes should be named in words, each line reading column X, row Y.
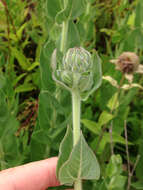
column 76, row 128
column 64, row 36
column 113, row 111
column 130, row 172
column 111, row 138
column 64, row 33
column 128, row 156
column 100, row 138
column 78, row 185
column 111, row 124
column 76, row 117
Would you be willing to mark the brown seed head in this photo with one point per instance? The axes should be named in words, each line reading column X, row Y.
column 128, row 62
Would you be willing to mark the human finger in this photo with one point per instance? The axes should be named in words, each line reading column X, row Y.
column 33, row 176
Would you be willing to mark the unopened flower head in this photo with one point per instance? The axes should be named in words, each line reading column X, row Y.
column 76, row 71
column 77, row 60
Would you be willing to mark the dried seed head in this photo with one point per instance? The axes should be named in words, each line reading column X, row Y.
column 127, row 62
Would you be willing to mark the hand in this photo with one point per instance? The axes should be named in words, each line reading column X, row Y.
column 33, row 176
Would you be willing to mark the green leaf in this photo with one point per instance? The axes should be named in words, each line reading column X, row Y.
column 25, row 88
column 137, row 40
column 48, row 105
column 115, row 166
column 42, row 147
column 41, row 137
column 65, row 149
column 45, row 67
column 95, row 127
column 53, row 7
column 139, row 171
column 97, row 71
column 139, row 14
column 20, row 30
column 9, row 141
column 82, row 164
column 77, row 8
column 22, row 60
column 72, row 10
column 102, row 186
column 4, row 114
column 138, row 185
column 97, row 76
column 73, row 38
column 2, row 81
column 90, row 1
column 113, row 102
column 118, row 139
column 18, row 78
column 91, row 125
column 113, row 172
column 33, row 65
column 117, row 182
column 131, row 19
column 55, row 105
column 104, row 118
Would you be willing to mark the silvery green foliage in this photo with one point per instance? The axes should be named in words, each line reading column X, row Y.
column 76, row 162
column 77, row 71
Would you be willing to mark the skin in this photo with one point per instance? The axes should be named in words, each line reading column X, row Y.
column 33, row 176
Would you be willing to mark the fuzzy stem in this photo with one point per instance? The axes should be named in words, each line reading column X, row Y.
column 76, row 117
column 78, row 185
column 64, row 36
column 64, row 33
column 76, row 128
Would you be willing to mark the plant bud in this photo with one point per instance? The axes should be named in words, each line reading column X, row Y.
column 77, row 71
column 127, row 62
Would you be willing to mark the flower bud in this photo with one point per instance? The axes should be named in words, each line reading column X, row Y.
column 76, row 71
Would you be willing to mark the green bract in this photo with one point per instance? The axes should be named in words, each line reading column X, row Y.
column 77, row 71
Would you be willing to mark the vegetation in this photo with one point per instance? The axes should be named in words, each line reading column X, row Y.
column 35, row 111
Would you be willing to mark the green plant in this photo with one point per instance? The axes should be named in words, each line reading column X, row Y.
column 35, row 112
column 81, row 75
